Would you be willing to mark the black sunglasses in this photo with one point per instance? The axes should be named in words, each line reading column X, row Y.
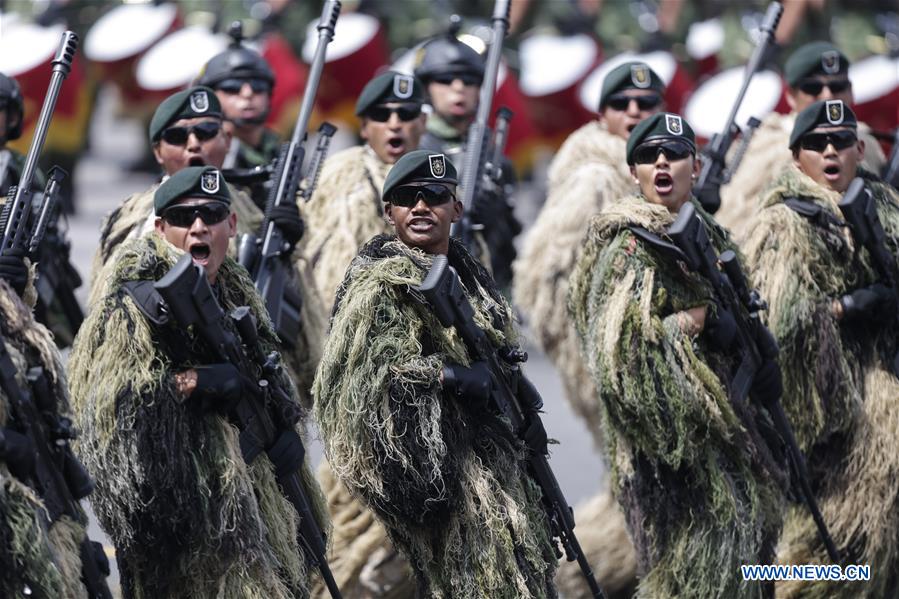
column 233, row 86
column 673, row 149
column 407, row 196
column 813, row 87
column 406, row 112
column 622, row 101
column 210, row 213
column 818, row 142
column 177, row 136
column 465, row 78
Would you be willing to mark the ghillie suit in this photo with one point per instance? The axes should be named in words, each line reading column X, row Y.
column 344, row 213
column 187, row 515
column 445, row 476
column 589, row 172
column 699, row 490
column 768, row 155
column 838, row 391
column 47, row 561
column 134, row 219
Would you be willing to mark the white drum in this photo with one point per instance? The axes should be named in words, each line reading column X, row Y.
column 24, row 47
column 875, row 87
column 178, row 58
column 127, row 30
column 708, row 107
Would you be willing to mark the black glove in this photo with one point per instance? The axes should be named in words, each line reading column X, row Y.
column 868, row 301
column 13, row 269
column 720, row 327
column 219, row 387
column 287, row 216
column 768, row 382
column 473, row 384
column 287, row 453
column 18, row 451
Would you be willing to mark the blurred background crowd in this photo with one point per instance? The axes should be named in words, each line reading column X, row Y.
column 553, row 63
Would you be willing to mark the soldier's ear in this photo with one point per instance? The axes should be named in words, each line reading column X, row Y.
column 457, row 210
column 388, row 214
column 157, row 154
column 232, row 224
column 634, row 174
column 861, row 148
column 697, row 166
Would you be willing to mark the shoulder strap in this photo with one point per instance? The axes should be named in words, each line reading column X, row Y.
column 148, row 301
column 813, row 212
column 665, row 247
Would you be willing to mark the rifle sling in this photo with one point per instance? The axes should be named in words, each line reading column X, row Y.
column 148, row 301
column 815, row 213
column 665, row 247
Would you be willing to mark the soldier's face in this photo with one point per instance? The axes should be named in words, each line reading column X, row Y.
column 196, row 150
column 394, row 137
column 456, row 101
column 820, row 87
column 425, row 226
column 667, row 182
column 207, row 243
column 832, row 167
column 244, row 102
column 621, row 118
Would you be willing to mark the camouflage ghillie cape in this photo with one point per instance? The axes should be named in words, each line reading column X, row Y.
column 187, row 516
column 134, row 218
column 444, row 476
column 697, row 488
column 345, row 211
column 588, row 172
column 47, row 561
column 838, row 392
column 768, row 155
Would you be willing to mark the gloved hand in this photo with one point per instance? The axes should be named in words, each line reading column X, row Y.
column 287, row 216
column 13, row 269
column 868, row 301
column 220, row 387
column 472, row 384
column 768, row 381
column 18, row 451
column 720, row 327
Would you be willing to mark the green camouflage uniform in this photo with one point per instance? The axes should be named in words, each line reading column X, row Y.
column 838, row 390
column 698, row 489
column 44, row 556
column 444, row 476
column 188, row 517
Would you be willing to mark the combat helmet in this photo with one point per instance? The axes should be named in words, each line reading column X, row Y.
column 236, row 62
column 445, row 54
column 11, row 96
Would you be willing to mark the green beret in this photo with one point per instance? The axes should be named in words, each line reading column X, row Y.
column 420, row 165
column 823, row 113
column 815, row 58
column 191, row 182
column 630, row 75
column 390, row 87
column 663, row 125
column 186, row 104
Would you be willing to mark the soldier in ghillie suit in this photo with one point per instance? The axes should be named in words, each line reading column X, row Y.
column 188, row 517
column 837, row 330
column 243, row 82
column 588, row 173
column 38, row 557
column 699, row 490
column 345, row 210
column 403, row 409
column 816, row 71
column 186, row 130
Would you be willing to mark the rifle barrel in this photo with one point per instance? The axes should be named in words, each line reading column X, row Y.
column 326, row 26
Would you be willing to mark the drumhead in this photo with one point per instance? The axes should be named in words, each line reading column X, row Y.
column 663, row 63
column 551, row 63
column 128, row 30
column 353, row 31
column 24, row 46
column 705, row 39
column 873, row 78
column 709, row 106
column 178, row 58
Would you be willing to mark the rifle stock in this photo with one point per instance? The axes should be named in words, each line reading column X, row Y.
column 443, row 293
column 711, row 176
